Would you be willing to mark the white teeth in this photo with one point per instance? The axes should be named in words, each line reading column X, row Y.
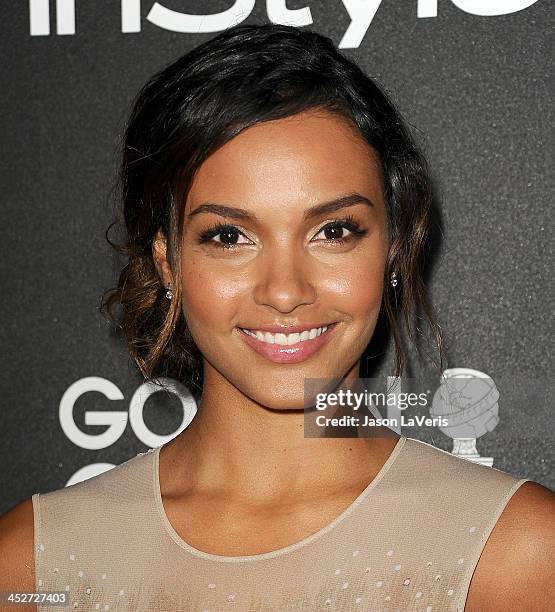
column 293, row 338
column 286, row 339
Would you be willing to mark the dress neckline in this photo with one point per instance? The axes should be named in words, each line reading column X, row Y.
column 155, row 462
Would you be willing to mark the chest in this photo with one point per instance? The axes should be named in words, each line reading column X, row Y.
column 221, row 527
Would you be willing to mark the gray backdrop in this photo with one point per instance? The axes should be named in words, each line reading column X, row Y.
column 477, row 88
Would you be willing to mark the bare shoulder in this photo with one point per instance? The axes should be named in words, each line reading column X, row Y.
column 516, row 568
column 17, row 559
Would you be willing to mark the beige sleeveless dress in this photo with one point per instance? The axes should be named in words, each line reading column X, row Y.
column 410, row 541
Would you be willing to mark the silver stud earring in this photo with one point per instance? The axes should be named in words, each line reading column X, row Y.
column 169, row 292
column 394, row 280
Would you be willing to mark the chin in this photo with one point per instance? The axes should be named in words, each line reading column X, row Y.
column 278, row 397
column 282, row 395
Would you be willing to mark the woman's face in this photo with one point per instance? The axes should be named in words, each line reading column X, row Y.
column 281, row 262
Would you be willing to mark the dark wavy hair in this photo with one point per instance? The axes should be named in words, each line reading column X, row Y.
column 246, row 75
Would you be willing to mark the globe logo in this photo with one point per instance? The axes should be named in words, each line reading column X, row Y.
column 468, row 400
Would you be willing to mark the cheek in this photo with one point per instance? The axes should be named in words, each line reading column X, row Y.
column 358, row 286
column 210, row 296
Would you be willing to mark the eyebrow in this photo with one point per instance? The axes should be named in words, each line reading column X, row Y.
column 319, row 209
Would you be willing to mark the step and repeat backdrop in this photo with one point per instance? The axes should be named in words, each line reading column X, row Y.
column 472, row 78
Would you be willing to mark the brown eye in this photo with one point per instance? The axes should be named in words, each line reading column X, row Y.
column 333, row 232
column 228, row 236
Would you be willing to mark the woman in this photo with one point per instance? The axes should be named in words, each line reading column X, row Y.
column 276, row 211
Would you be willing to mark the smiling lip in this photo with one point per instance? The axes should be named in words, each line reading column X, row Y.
column 287, row 329
column 291, row 353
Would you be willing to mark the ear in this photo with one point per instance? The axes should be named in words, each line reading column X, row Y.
column 159, row 251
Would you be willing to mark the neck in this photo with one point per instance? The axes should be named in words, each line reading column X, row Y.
column 241, row 449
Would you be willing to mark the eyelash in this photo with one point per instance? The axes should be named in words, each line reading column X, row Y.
column 348, row 223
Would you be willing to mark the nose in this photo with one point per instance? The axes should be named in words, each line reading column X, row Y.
column 284, row 281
